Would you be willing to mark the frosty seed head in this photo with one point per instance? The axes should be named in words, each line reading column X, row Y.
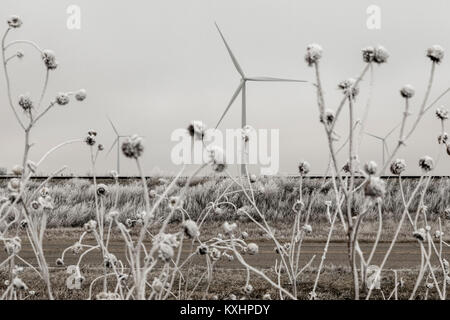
column 443, row 138
column 426, row 163
column 14, row 185
column 191, row 229
column 307, row 228
column 370, row 168
column 90, row 226
column 368, row 54
column 398, row 166
column 17, row 170
column 20, row 54
column 23, row 224
column 381, row 55
column 202, row 249
column 175, row 202
column 328, row 117
column 303, row 168
column 248, row 289
column 157, row 285
column 112, row 215
column 435, row 53
column 18, row 284
column 90, row 140
column 196, row 129
column 215, row 254
column 420, row 234
column 375, row 188
column 80, row 95
column 164, row 244
column 442, row 113
column 377, row 54
column 102, row 189
column 267, row 297
column 348, row 88
column 114, row 174
column 62, row 99
column 77, row 248
column 252, row 248
column 110, row 260
column 35, row 205
column 438, row 234
column 130, row 223
column 217, row 158
column 354, row 162
column 45, row 191
column 133, row 147
column 313, row 54
column 165, row 252
column 13, row 245
column 229, row 227
column 48, row 56
column 14, row 22
column 25, row 102
column 407, row 91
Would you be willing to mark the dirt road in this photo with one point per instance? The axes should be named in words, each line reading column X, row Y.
column 404, row 255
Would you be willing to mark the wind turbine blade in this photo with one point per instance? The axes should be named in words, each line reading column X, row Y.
column 112, row 125
column 112, row 147
column 236, row 93
column 372, row 135
column 271, row 79
column 392, row 131
column 233, row 58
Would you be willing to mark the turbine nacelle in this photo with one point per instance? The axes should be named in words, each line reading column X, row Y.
column 116, row 143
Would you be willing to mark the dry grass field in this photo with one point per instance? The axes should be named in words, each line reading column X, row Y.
column 275, row 196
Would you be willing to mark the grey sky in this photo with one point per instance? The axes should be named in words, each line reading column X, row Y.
column 155, row 65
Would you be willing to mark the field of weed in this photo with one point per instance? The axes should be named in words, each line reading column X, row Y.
column 73, row 199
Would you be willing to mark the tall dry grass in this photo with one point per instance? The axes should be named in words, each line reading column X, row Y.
column 275, row 196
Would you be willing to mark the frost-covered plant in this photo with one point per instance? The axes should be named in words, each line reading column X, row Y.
column 368, row 276
column 30, row 210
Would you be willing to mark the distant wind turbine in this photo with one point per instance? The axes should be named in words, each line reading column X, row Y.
column 384, row 146
column 116, row 143
column 242, row 88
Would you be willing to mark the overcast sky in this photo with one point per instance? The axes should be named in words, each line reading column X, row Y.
column 153, row 66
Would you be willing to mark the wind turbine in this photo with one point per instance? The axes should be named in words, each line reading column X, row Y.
column 242, row 88
column 116, row 143
column 384, row 146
